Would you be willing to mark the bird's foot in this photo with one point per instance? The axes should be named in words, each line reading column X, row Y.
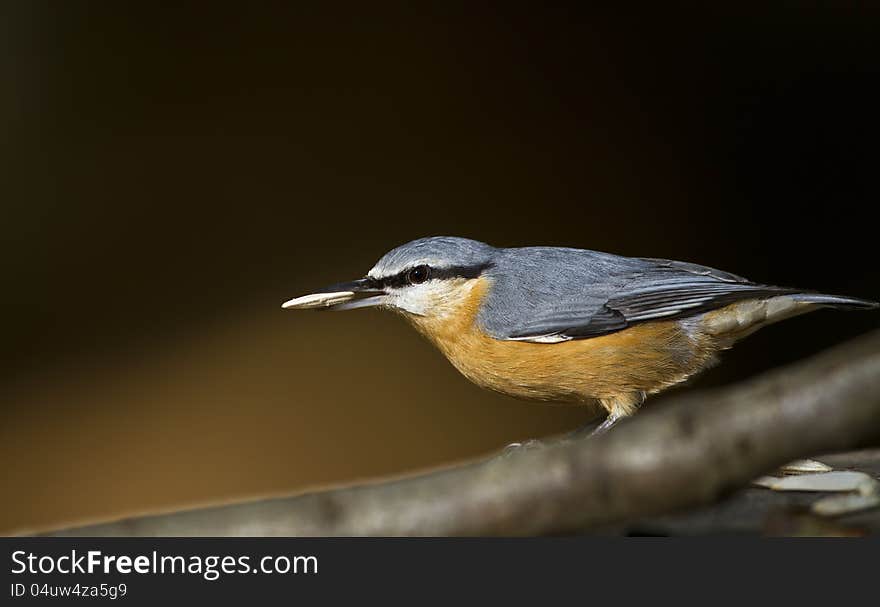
column 528, row 445
column 594, row 428
column 591, row 428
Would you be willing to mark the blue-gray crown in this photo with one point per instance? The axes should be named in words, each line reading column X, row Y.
column 435, row 251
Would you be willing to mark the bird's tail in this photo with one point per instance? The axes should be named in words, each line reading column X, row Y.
column 744, row 318
column 835, row 301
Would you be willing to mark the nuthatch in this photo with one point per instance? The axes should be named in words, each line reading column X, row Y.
column 569, row 325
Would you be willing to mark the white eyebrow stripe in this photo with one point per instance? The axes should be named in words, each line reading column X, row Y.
column 388, row 272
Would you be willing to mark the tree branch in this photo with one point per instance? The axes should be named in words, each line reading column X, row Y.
column 688, row 453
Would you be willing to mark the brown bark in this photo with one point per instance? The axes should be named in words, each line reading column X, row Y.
column 690, row 452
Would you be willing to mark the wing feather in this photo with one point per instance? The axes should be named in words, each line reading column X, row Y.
column 660, row 290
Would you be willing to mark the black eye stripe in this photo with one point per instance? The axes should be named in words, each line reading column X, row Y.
column 401, row 279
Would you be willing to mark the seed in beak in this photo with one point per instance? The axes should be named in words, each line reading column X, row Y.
column 317, row 300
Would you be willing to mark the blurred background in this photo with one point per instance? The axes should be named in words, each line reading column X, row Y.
column 171, row 174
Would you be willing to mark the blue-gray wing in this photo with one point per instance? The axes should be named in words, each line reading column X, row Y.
column 607, row 295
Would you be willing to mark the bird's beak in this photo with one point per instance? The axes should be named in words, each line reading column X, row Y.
column 360, row 293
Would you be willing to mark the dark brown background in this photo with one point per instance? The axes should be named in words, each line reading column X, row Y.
column 170, row 175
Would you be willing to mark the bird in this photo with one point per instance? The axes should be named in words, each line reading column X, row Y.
column 569, row 325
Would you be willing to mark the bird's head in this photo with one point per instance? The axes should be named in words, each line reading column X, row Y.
column 427, row 278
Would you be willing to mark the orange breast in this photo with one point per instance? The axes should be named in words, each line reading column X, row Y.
column 617, row 368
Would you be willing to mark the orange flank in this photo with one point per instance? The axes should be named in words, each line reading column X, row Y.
column 615, row 370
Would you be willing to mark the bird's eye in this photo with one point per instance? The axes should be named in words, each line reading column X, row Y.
column 417, row 275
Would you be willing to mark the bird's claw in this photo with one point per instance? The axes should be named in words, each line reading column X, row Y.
column 527, row 445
